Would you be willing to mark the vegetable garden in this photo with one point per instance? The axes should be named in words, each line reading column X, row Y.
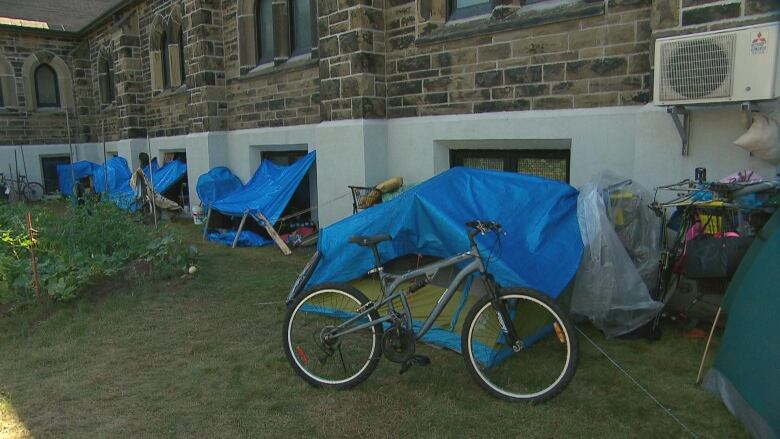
column 79, row 246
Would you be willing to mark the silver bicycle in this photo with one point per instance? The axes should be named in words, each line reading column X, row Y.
column 517, row 343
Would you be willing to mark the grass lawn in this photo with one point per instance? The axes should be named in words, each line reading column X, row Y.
column 202, row 357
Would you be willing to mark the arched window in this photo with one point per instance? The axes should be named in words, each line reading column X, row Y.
column 264, row 31
column 47, row 91
column 182, row 74
column 106, row 79
column 166, row 59
column 301, row 26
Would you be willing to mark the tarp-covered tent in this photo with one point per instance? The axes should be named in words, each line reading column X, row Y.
column 113, row 177
column 118, row 182
column 167, row 176
column 216, row 184
column 541, row 249
column 82, row 169
column 745, row 373
column 267, row 193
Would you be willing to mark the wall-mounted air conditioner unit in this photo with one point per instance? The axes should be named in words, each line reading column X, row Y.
column 733, row 65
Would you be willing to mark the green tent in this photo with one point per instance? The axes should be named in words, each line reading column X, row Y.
column 746, row 373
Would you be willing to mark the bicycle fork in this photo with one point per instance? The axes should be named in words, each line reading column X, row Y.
column 504, row 319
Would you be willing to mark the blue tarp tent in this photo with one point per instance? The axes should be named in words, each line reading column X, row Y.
column 217, row 184
column 268, row 192
column 81, row 170
column 168, row 175
column 118, row 182
column 542, row 248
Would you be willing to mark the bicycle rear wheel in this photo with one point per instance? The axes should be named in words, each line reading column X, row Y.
column 32, row 191
column 342, row 362
column 545, row 365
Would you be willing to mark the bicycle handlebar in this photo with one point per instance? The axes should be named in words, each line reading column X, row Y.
column 482, row 226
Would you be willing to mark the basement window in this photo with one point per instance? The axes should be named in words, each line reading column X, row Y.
column 468, row 8
column 548, row 163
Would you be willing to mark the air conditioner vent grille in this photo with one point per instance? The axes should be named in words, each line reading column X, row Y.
column 697, row 68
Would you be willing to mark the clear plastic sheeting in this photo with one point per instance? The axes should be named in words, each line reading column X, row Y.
column 637, row 226
column 620, row 234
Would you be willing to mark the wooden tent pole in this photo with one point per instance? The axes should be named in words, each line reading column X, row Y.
column 206, row 225
column 275, row 236
column 240, row 229
column 707, row 346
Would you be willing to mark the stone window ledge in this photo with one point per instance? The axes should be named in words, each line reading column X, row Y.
column 169, row 93
column 500, row 20
column 106, row 108
column 50, row 110
column 299, row 62
column 8, row 111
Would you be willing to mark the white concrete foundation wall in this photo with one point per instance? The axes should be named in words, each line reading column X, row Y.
column 635, row 142
column 29, row 157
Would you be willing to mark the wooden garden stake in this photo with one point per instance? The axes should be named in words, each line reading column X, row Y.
column 33, row 233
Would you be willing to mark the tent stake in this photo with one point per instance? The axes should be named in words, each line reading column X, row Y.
column 707, row 346
column 206, row 225
column 240, row 229
column 275, row 236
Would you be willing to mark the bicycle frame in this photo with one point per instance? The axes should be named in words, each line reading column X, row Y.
column 392, row 292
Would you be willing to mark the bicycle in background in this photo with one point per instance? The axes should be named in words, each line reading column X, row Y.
column 20, row 188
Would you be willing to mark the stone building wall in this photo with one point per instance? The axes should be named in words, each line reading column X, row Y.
column 374, row 59
column 22, row 125
column 282, row 95
column 352, row 59
column 571, row 56
column 675, row 17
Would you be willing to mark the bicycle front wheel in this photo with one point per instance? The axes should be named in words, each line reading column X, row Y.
column 33, row 191
column 545, row 365
column 324, row 361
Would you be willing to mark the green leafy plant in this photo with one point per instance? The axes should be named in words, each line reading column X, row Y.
column 81, row 246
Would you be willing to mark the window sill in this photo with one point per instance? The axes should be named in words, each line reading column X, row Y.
column 49, row 110
column 298, row 62
column 536, row 14
column 171, row 92
column 8, row 111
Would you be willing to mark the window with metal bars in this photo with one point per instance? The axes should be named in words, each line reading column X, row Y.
column 549, row 163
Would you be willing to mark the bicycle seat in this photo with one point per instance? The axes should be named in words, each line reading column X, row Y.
column 368, row 241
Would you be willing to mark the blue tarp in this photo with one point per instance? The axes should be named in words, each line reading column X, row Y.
column 81, row 170
column 248, row 238
column 268, row 192
column 118, row 185
column 217, row 184
column 541, row 250
column 168, row 175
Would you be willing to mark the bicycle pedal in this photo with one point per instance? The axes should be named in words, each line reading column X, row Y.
column 418, row 360
column 421, row 360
